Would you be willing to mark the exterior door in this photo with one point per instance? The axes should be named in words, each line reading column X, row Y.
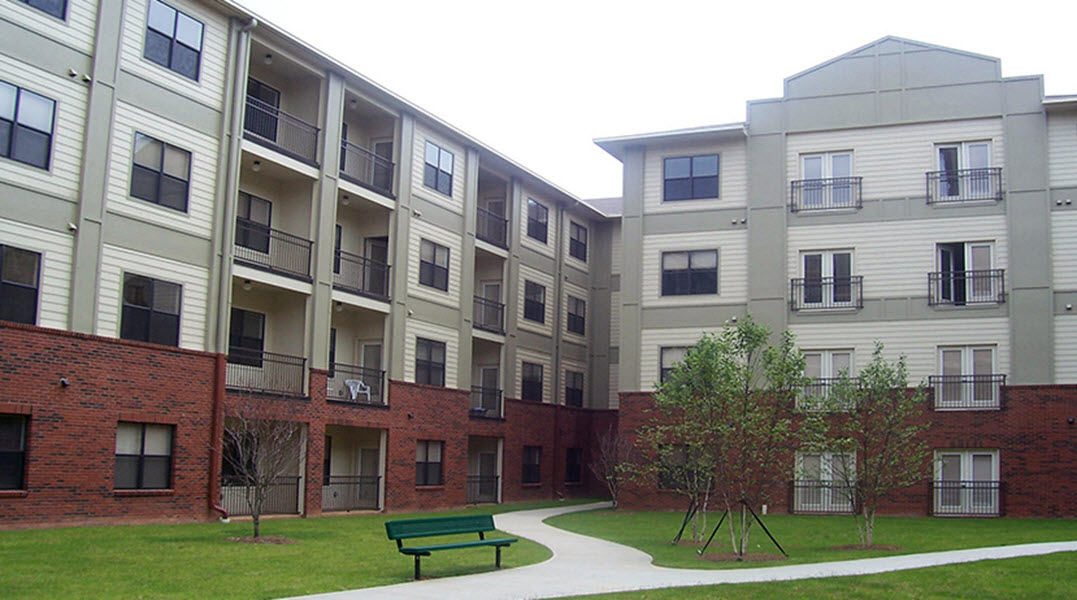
column 382, row 178
column 490, row 381
column 371, row 359
column 376, row 275
column 967, row 482
column 488, row 475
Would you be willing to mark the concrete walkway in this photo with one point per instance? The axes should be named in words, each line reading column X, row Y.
column 583, row 565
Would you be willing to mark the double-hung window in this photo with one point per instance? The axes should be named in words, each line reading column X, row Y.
column 428, row 469
column 429, row 362
column 689, row 272
column 690, row 177
column 246, row 337
column 151, row 310
column 173, row 39
column 827, row 280
column 19, row 284
column 668, row 358
column 827, row 180
column 12, row 452
column 577, row 241
column 143, row 456
column 573, row 388
column 531, row 382
column 577, row 315
column 532, row 464
column 964, row 171
column 56, row 8
column 161, row 173
column 27, row 120
column 534, row 302
column 438, row 169
column 434, row 265
column 538, row 220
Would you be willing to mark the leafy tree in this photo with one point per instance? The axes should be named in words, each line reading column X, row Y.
column 611, row 463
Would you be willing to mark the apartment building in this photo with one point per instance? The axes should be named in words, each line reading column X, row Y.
column 902, row 192
column 203, row 217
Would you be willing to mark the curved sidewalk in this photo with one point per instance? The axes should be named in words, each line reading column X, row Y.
column 584, row 565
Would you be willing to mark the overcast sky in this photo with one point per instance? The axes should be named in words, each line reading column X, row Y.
column 538, row 81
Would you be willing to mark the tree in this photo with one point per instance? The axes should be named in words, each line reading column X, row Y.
column 611, row 462
column 869, row 427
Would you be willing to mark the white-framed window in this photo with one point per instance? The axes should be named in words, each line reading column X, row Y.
column 966, row 482
column 56, row 8
column 823, row 481
column 668, row 357
column 173, row 39
column 434, row 265
column 827, row 280
column 968, row 379
column 963, row 168
column 690, row 272
column 826, row 180
column 438, row 169
column 966, row 274
column 824, row 367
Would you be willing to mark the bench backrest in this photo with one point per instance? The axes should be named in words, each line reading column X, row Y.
column 413, row 528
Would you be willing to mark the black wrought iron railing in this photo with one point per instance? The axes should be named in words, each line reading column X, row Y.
column 273, row 250
column 826, row 293
column 822, row 497
column 271, row 126
column 360, row 275
column 485, row 402
column 489, row 315
column 825, row 194
column 964, row 185
column 363, row 167
column 282, row 496
column 967, row 498
column 960, row 288
column 359, row 385
column 492, row 227
column 265, row 372
column 481, row 489
column 351, row 492
column 819, row 394
column 967, row 392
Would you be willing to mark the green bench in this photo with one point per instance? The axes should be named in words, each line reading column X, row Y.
column 405, row 529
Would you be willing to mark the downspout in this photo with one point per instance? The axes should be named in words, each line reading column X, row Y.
column 217, row 435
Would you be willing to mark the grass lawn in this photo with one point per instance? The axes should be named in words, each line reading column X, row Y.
column 810, row 539
column 195, row 560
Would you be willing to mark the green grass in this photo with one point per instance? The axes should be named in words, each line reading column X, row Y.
column 810, row 539
column 196, row 561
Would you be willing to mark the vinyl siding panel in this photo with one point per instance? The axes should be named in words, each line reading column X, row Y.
column 529, row 274
column 540, row 358
column 421, row 230
column 1065, row 349
column 617, row 249
column 653, row 340
column 732, row 176
column 732, row 266
column 1063, row 259
column 615, row 319
column 75, row 31
column 894, row 160
column 418, row 163
column 55, row 271
column 1062, row 148
column 581, row 293
column 615, row 378
column 551, row 226
column 579, row 367
column 116, row 261
column 421, row 329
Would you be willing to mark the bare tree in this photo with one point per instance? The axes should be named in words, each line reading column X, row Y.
column 611, row 464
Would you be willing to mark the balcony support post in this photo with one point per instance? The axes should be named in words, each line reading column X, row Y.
column 467, row 266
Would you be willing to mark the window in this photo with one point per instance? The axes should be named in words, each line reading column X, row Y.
column 173, row 39
column 964, row 170
column 26, row 124
column 246, row 337
column 573, row 465
column 668, row 359
column 577, row 315
column 692, row 272
column 252, row 222
column 823, row 482
column 538, row 219
column 966, row 482
column 532, row 468
column 12, row 452
column 531, row 382
column 577, row 241
column 827, row 180
column 19, row 282
column 534, row 302
column 823, row 367
column 160, row 173
column 56, row 8
column 966, row 275
column 143, row 456
column 968, row 378
column 428, row 469
column 151, row 310
column 573, row 388
column 434, row 265
column 429, row 362
column 690, row 177
column 437, row 172
column 828, row 281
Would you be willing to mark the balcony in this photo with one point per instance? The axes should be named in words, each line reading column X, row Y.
column 817, row 394
column 356, row 385
column 265, row 372
column 273, row 250
column 492, row 228
column 966, row 498
column 825, row 194
column 826, row 293
column 282, row 497
column 362, row 167
column 964, row 185
column 822, row 497
column 482, row 489
column 272, row 127
column 359, row 275
column 962, row 288
column 489, row 315
column 485, row 402
column 351, row 492
column 967, row 392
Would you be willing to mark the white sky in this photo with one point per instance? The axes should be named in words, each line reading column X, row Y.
column 539, row 80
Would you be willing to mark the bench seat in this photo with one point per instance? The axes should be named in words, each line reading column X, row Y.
column 404, row 529
column 426, row 550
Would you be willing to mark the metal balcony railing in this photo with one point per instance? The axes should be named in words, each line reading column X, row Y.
column 966, row 498
column 351, row 492
column 817, row 394
column 358, row 385
column 826, row 293
column 485, row 402
column 481, row 489
column 265, row 372
column 491, row 227
column 282, row 499
column 489, row 315
column 964, row 185
column 272, row 127
column 821, row 497
column 967, row 392
column 960, row 288
column 359, row 275
column 363, row 167
column 273, row 250
column 825, row 194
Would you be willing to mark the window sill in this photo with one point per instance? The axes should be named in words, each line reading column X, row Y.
column 14, row 493
column 430, row 488
column 143, row 493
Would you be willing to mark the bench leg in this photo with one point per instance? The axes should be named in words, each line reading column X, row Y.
column 498, row 548
column 417, row 572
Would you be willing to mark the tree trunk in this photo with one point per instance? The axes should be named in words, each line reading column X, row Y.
column 257, row 520
column 869, row 527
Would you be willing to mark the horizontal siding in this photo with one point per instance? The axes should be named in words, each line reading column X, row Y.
column 209, row 89
column 529, row 274
column 1064, row 259
column 1065, row 349
column 579, row 367
column 615, row 319
column 652, row 340
column 732, row 266
column 616, row 250
column 198, row 220
column 76, row 30
column 615, row 386
column 116, row 261
column 65, row 162
column 55, row 272
column 421, row 329
column 580, row 293
column 421, row 230
column 540, row 358
column 1062, row 149
column 551, row 225
column 893, row 160
column 732, row 176
column 895, row 257
column 418, row 165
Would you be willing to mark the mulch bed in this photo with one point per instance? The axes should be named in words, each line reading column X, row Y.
column 265, row 539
